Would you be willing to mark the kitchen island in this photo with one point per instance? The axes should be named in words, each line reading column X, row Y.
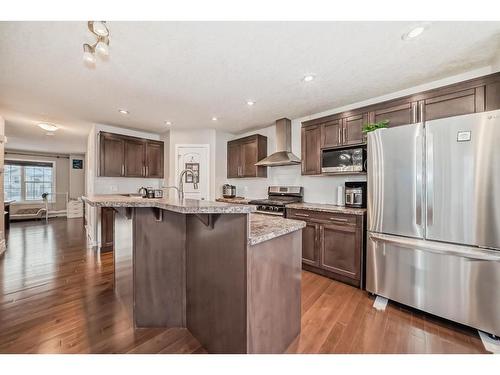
column 230, row 276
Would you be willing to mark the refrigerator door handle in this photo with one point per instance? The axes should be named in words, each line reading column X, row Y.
column 430, row 178
column 418, row 179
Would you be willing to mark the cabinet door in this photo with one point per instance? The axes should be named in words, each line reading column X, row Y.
column 310, row 250
column 107, row 229
column 397, row 115
column 311, row 155
column 331, row 133
column 112, row 155
column 341, row 249
column 135, row 152
column 454, row 104
column 233, row 160
column 248, row 158
column 154, row 159
column 353, row 129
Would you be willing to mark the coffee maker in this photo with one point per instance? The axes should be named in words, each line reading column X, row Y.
column 355, row 194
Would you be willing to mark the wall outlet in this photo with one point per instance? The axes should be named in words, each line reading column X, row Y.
column 113, row 188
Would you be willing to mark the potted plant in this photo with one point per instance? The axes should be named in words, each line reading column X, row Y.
column 375, row 125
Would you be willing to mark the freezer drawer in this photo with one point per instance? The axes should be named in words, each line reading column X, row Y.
column 459, row 283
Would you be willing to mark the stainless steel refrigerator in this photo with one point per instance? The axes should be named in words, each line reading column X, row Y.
column 433, row 238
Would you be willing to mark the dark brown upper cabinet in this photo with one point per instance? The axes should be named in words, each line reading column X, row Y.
column 353, row 129
column 154, row 159
column 243, row 153
column 311, row 142
column 124, row 156
column 345, row 129
column 111, row 155
column 331, row 133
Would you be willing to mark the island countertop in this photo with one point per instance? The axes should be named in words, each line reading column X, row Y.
column 185, row 206
column 266, row 227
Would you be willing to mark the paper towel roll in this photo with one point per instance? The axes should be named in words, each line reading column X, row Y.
column 340, row 196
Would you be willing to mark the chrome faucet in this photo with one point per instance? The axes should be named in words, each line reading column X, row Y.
column 180, row 188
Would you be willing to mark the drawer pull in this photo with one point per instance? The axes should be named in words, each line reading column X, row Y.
column 303, row 215
column 337, row 219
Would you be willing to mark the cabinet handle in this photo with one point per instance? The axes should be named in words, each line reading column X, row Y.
column 340, row 137
column 123, row 170
column 147, row 170
column 302, row 215
column 339, row 220
column 343, row 136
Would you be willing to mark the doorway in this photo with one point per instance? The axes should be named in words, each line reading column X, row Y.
column 194, row 157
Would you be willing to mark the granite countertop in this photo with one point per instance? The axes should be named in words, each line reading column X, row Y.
column 185, row 206
column 236, row 200
column 327, row 208
column 266, row 227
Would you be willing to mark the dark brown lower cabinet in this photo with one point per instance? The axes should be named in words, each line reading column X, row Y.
column 107, row 229
column 310, row 253
column 332, row 244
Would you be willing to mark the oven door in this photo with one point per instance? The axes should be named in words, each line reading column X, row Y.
column 344, row 160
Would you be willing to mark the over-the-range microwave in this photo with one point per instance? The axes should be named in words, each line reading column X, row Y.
column 343, row 160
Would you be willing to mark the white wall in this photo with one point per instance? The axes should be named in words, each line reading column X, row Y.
column 2, row 222
column 76, row 177
column 319, row 189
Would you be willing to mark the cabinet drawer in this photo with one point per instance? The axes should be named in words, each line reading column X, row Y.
column 333, row 218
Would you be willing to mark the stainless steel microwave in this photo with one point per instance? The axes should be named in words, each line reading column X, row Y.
column 343, row 160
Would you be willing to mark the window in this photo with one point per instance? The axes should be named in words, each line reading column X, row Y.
column 28, row 180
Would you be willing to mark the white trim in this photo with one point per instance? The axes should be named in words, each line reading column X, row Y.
column 205, row 146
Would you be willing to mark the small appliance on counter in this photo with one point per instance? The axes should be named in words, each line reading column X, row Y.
column 278, row 198
column 143, row 192
column 355, row 194
column 228, row 191
column 158, row 193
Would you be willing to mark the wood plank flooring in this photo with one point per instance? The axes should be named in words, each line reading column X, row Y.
column 56, row 296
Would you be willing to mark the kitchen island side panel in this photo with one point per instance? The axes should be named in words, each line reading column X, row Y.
column 159, row 268
column 216, row 281
column 274, row 290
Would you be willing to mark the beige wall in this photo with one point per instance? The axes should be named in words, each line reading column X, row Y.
column 62, row 176
column 76, row 177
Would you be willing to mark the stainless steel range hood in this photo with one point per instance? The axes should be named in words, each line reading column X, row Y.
column 283, row 154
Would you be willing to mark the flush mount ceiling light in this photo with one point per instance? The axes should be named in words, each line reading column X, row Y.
column 308, row 77
column 101, row 45
column 413, row 33
column 250, row 102
column 123, row 111
column 214, row 118
column 48, row 127
column 168, row 123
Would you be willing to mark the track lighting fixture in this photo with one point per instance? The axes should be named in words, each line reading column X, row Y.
column 100, row 47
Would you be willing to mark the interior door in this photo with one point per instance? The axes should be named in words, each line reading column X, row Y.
column 195, row 158
column 463, row 179
column 395, row 186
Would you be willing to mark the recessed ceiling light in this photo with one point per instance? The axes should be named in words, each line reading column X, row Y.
column 308, row 77
column 168, row 123
column 49, row 133
column 48, row 127
column 123, row 111
column 214, row 118
column 413, row 33
column 250, row 102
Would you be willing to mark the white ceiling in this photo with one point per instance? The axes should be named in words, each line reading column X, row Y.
column 187, row 72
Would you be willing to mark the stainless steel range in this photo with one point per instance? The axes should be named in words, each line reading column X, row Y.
column 278, row 198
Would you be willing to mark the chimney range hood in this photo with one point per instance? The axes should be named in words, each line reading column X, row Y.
column 283, row 154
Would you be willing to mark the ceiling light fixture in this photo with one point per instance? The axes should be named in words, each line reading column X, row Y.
column 214, row 118
column 48, row 127
column 413, row 33
column 123, row 111
column 168, row 123
column 250, row 102
column 100, row 47
column 308, row 77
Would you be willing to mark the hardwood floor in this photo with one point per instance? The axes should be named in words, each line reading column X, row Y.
column 56, row 296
